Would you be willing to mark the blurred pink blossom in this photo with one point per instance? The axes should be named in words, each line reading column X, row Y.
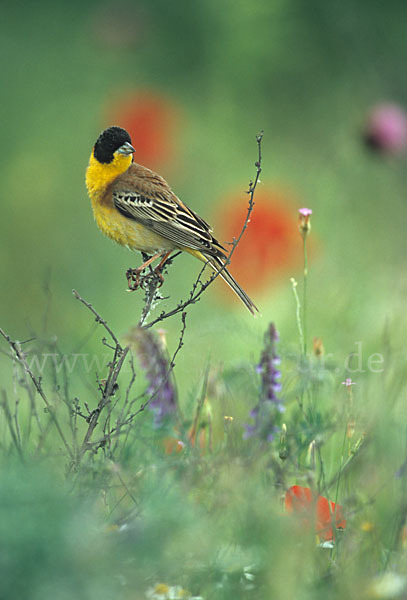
column 348, row 382
column 386, row 129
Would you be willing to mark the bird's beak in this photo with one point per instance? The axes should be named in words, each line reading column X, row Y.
column 126, row 149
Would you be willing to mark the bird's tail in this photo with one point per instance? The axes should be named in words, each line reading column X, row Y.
column 218, row 265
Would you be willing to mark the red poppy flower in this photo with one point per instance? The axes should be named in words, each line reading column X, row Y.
column 270, row 245
column 151, row 120
column 317, row 509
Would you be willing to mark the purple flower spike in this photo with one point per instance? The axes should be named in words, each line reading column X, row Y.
column 250, row 431
column 153, row 360
column 305, row 212
column 269, row 406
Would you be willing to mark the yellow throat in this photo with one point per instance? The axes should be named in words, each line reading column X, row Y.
column 100, row 175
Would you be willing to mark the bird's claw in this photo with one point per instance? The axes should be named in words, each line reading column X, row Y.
column 159, row 275
column 135, row 279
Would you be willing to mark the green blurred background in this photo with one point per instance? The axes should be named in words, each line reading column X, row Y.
column 195, row 82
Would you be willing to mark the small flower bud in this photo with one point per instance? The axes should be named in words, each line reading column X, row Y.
column 283, row 452
column 350, row 428
column 318, row 347
column 348, row 382
column 304, row 224
column 311, row 455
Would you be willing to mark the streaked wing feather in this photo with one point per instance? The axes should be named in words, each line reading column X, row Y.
column 167, row 218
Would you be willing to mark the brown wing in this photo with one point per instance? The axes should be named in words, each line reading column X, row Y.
column 146, row 197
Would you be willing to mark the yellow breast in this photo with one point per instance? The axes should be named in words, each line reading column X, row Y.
column 110, row 221
column 127, row 232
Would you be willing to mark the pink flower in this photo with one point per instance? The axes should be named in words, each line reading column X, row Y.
column 306, row 212
column 386, row 129
column 348, row 382
column 304, row 224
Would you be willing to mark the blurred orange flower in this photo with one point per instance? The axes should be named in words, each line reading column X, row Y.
column 199, row 434
column 151, row 120
column 317, row 509
column 172, row 444
column 270, row 245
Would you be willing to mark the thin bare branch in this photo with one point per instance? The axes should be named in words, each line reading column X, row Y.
column 12, row 428
column 98, row 318
column 20, row 357
column 128, row 419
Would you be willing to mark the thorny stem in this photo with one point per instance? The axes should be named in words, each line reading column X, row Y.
column 197, row 293
column 152, row 283
column 109, row 386
column 149, row 301
column 15, row 346
column 98, row 318
column 9, row 419
column 130, row 417
column 126, row 404
column 106, row 399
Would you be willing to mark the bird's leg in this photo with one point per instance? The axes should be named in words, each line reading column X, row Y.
column 170, row 260
column 133, row 275
column 159, row 268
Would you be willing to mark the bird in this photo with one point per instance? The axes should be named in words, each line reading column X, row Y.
column 135, row 207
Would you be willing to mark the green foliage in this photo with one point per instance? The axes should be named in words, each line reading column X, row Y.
column 52, row 543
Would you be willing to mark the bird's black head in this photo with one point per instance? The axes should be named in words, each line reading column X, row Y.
column 110, row 141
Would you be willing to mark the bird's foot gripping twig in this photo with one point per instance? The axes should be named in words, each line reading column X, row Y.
column 154, row 278
column 135, row 279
